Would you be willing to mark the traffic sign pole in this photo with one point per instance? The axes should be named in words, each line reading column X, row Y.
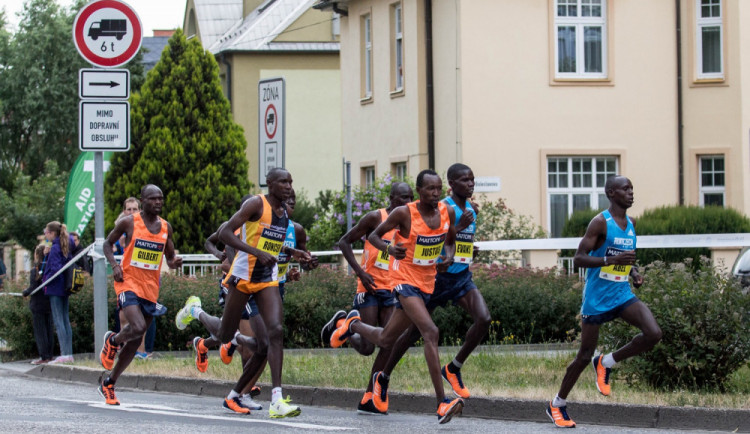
column 100, row 267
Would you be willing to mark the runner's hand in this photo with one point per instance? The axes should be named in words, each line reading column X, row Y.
column 467, row 218
column 446, row 262
column 175, row 262
column 117, row 273
column 293, row 275
column 397, row 251
column 624, row 258
column 301, row 255
column 367, row 281
column 266, row 259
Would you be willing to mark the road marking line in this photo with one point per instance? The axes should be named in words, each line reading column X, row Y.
column 170, row 411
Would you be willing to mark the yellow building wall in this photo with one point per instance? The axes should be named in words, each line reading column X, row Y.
column 513, row 115
column 313, row 113
column 386, row 128
column 311, row 26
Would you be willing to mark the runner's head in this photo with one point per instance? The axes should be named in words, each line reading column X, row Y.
column 279, row 183
column 401, row 194
column 152, row 199
column 429, row 187
column 619, row 191
column 290, row 203
column 461, row 180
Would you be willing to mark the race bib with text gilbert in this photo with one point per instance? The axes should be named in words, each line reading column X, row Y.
column 381, row 261
column 464, row 248
column 271, row 240
column 146, row 254
column 427, row 249
column 615, row 273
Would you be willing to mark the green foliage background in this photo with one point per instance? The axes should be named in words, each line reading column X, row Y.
column 185, row 141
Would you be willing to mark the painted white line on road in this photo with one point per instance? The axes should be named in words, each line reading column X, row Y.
column 170, row 411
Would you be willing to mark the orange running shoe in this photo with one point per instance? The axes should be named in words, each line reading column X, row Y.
column 449, row 408
column 235, row 406
column 201, row 354
column 380, row 391
column 109, row 351
column 602, row 375
column 331, row 326
column 559, row 416
column 367, row 407
column 226, row 351
column 342, row 333
column 108, row 393
column 455, row 381
column 255, row 391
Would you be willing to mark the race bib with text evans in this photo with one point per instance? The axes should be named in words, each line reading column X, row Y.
column 146, row 254
column 615, row 273
column 464, row 248
column 427, row 249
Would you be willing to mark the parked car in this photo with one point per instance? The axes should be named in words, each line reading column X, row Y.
column 741, row 268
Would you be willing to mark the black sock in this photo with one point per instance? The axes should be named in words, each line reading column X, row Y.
column 108, row 381
column 453, row 368
column 384, row 377
column 112, row 340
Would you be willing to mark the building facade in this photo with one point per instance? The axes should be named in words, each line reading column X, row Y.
column 545, row 99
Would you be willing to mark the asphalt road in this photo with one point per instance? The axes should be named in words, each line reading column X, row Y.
column 30, row 404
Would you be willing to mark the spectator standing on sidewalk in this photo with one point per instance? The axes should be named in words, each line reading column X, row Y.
column 60, row 253
column 41, row 312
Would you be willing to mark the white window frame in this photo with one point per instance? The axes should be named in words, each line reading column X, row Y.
column 593, row 191
column 580, row 23
column 367, row 53
column 712, row 189
column 369, row 176
column 400, row 171
column 700, row 23
column 398, row 41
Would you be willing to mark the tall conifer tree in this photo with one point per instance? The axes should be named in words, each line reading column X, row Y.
column 184, row 140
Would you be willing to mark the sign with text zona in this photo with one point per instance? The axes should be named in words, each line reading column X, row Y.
column 107, row 33
column 271, row 126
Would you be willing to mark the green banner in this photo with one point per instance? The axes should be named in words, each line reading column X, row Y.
column 79, row 197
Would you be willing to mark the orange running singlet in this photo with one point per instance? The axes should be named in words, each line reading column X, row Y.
column 266, row 234
column 423, row 247
column 141, row 262
column 375, row 262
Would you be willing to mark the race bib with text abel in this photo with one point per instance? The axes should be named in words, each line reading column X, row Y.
column 427, row 249
column 464, row 248
column 146, row 254
column 615, row 273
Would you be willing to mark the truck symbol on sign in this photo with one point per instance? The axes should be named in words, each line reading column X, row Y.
column 116, row 28
column 270, row 119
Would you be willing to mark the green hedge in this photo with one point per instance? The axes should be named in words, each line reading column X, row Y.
column 705, row 320
column 527, row 306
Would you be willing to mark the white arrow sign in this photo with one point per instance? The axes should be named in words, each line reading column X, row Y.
column 104, row 83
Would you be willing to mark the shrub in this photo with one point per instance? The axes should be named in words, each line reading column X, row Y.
column 498, row 222
column 704, row 318
column 687, row 220
column 532, row 305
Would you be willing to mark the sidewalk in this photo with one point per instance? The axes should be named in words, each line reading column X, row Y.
column 636, row 416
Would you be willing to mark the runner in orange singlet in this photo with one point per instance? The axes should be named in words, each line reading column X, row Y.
column 424, row 227
column 136, row 282
column 375, row 299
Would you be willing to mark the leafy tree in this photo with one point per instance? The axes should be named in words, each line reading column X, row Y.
column 185, row 141
column 34, row 204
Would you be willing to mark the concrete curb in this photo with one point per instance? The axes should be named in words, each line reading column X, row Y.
column 627, row 415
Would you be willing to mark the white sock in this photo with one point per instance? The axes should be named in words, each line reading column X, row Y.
column 232, row 394
column 558, row 402
column 195, row 312
column 234, row 339
column 276, row 394
column 456, row 363
column 608, row 361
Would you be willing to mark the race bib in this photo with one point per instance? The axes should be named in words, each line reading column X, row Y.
column 464, row 248
column 615, row 273
column 146, row 254
column 383, row 258
column 427, row 249
column 271, row 240
column 282, row 270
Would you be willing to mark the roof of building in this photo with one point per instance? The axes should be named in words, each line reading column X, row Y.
column 154, row 45
column 223, row 28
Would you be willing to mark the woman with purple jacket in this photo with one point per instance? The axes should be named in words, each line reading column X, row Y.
column 60, row 253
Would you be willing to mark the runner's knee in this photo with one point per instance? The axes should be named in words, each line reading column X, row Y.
column 431, row 335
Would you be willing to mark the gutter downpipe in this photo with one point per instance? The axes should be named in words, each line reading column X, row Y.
column 229, row 77
column 430, row 85
column 680, row 140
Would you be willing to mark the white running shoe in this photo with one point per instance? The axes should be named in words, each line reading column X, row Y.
column 281, row 408
column 248, row 402
column 184, row 317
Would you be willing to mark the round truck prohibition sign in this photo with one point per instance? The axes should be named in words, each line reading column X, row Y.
column 271, row 121
column 107, row 33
